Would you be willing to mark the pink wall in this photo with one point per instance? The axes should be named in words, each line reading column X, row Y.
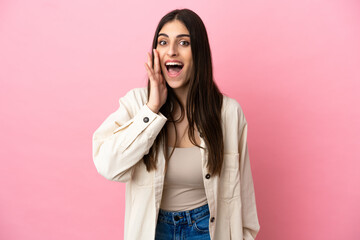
column 294, row 66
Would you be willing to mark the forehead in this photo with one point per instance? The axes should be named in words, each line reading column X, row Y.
column 174, row 28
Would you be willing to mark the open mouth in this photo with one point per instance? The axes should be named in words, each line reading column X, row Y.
column 174, row 68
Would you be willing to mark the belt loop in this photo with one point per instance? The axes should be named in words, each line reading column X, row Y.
column 188, row 218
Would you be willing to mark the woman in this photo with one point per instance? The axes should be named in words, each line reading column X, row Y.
column 180, row 145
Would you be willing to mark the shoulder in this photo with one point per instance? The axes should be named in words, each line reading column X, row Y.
column 232, row 111
column 134, row 99
column 231, row 105
column 139, row 94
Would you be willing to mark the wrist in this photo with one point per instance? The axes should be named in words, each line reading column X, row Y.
column 152, row 108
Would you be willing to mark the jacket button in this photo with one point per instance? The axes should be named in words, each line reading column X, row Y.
column 207, row 176
column 212, row 219
column 146, row 119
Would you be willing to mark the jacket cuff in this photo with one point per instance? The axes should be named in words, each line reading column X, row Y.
column 144, row 119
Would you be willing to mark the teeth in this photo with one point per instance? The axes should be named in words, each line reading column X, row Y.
column 173, row 64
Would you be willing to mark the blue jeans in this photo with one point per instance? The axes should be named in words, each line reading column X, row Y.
column 192, row 224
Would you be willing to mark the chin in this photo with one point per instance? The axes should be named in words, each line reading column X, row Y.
column 176, row 84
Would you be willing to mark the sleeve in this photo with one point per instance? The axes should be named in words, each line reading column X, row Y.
column 250, row 220
column 124, row 138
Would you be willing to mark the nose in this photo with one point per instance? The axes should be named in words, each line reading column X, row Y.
column 172, row 50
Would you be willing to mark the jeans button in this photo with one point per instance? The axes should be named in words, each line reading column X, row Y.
column 176, row 218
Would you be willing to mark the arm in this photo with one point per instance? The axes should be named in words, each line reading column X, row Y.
column 251, row 225
column 125, row 137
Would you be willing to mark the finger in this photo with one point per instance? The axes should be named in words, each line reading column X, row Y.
column 149, row 71
column 156, row 62
column 149, row 61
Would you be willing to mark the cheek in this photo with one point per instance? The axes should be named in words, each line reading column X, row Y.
column 161, row 57
column 191, row 69
column 190, row 63
column 189, row 59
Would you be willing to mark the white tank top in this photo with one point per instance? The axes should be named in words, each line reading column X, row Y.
column 184, row 181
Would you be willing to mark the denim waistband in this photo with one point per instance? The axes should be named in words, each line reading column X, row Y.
column 183, row 217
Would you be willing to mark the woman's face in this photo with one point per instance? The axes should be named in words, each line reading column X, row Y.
column 173, row 45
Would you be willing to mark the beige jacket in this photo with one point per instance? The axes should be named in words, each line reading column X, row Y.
column 127, row 135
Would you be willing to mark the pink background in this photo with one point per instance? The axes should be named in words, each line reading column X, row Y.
column 294, row 66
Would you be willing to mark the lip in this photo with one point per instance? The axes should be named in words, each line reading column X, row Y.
column 172, row 75
column 167, row 61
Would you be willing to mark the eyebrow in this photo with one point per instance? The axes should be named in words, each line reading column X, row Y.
column 178, row 36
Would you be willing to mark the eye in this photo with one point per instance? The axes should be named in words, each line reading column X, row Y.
column 162, row 42
column 184, row 43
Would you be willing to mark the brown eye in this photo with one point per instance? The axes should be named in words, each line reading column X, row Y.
column 184, row 43
column 162, row 42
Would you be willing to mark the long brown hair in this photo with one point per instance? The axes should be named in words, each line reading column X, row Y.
column 204, row 100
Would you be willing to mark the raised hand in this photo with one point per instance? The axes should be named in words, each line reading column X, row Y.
column 158, row 90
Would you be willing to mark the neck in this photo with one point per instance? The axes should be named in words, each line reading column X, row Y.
column 181, row 94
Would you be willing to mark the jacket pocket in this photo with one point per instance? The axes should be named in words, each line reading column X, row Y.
column 229, row 186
